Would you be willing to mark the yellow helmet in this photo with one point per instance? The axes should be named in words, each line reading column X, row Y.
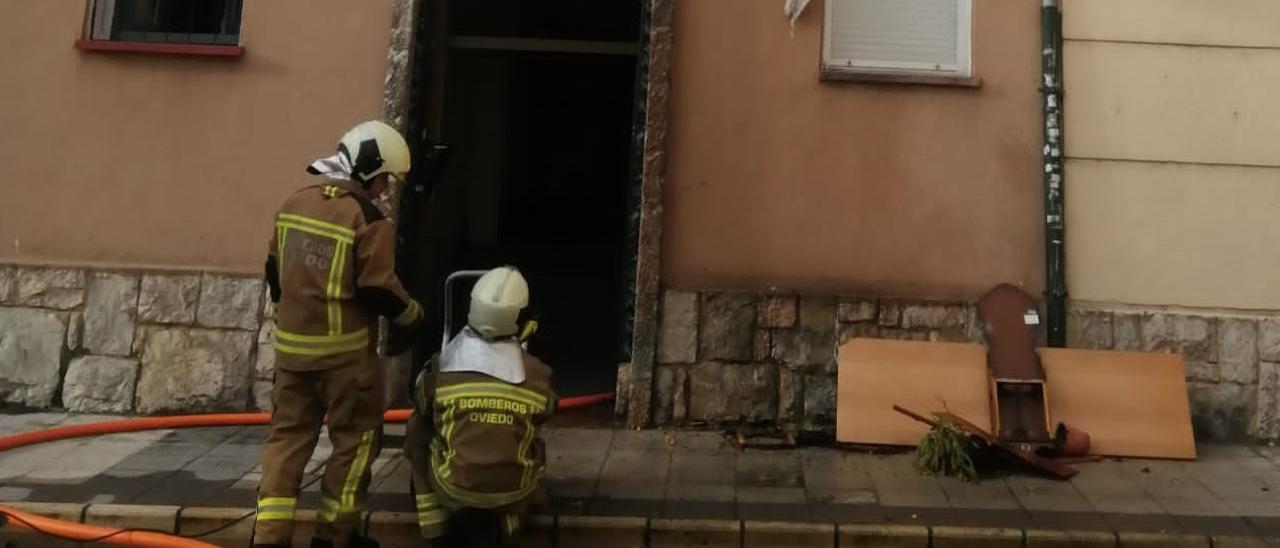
column 496, row 302
column 374, row 148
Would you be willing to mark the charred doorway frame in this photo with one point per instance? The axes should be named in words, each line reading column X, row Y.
column 407, row 58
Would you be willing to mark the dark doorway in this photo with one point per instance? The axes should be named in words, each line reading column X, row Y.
column 537, row 100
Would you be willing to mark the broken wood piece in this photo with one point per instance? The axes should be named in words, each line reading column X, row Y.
column 1018, row 395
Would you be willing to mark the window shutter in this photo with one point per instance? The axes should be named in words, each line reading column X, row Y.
column 917, row 35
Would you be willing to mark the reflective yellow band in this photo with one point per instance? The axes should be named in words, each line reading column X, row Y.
column 327, row 515
column 321, row 345
column 492, row 386
column 280, row 515
column 316, row 231
column 317, row 224
column 512, row 523
column 333, row 291
column 356, row 473
column 524, row 456
column 277, row 501
column 410, row 314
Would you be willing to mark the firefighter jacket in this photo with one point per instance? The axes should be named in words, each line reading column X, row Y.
column 483, row 449
column 331, row 271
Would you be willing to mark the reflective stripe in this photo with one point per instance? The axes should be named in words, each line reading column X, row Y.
column 522, row 454
column 410, row 314
column 318, row 224
column 277, row 501
column 321, row 345
column 356, row 472
column 281, row 515
column 282, row 234
column 333, row 290
column 316, row 231
column 512, row 523
column 492, row 386
column 328, row 512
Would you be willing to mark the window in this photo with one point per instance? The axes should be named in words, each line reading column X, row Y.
column 928, row 38
column 196, row 22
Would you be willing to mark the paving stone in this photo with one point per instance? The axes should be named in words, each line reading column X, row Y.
column 976, row 537
column 702, row 468
column 111, row 314
column 1109, row 488
column 595, row 531
column 883, row 536
column 678, row 328
column 763, row 468
column 155, row 518
column 763, row 534
column 1042, row 494
column 835, row 476
column 899, row 483
column 1242, row 541
column 1174, row 489
column 670, row 533
column 1162, row 540
column 1040, row 538
column 169, row 299
column 987, row 494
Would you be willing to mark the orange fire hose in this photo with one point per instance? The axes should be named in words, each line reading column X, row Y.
column 94, row 533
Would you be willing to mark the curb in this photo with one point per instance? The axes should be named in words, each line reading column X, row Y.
column 397, row 530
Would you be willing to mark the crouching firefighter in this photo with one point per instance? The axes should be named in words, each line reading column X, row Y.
column 331, row 273
column 473, row 439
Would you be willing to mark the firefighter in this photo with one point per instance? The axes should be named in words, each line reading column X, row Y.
column 472, row 439
column 331, row 272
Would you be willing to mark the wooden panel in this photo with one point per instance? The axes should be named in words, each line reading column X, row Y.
column 875, row 375
column 1131, row 404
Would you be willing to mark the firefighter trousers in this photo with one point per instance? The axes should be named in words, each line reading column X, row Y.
column 352, row 396
column 445, row 520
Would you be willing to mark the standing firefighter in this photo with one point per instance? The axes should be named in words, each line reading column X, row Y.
column 331, row 270
column 473, row 437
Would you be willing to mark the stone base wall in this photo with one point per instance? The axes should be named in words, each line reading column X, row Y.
column 128, row 341
column 771, row 358
column 1232, row 360
column 731, row 358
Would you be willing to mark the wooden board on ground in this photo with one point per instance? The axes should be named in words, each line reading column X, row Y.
column 1131, row 404
column 875, row 375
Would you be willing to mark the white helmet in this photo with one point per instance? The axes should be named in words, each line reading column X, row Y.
column 374, row 148
column 496, row 302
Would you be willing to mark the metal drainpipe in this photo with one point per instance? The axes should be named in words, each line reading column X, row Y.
column 1054, row 253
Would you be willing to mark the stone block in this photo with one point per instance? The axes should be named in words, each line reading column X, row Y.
column 857, row 310
column 976, row 537
column 777, row 312
column 1202, row 371
column 59, row 288
column 890, row 314
column 763, row 347
column 267, row 332
column 8, row 281
column 1266, row 423
column 264, row 366
column 201, row 520
column 1222, row 411
column 763, row 534
column 622, row 389
column 1269, row 340
column 97, row 384
column 229, row 302
column 678, row 533
column 110, row 314
column 1042, row 538
column 594, row 531
column 934, row 316
column 190, row 370
column 728, row 392
column 1238, row 350
column 678, row 328
column 75, row 331
column 1191, row 336
column 31, row 346
column 122, row 516
column 818, row 314
column 169, row 299
column 1162, row 540
column 262, row 396
column 680, row 396
column 664, row 388
column 802, row 346
column 819, row 401
column 728, row 327
column 858, row 331
column 1091, row 329
column 1126, row 332
column 790, row 395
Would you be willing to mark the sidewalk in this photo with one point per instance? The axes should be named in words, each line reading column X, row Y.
column 1232, row 493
